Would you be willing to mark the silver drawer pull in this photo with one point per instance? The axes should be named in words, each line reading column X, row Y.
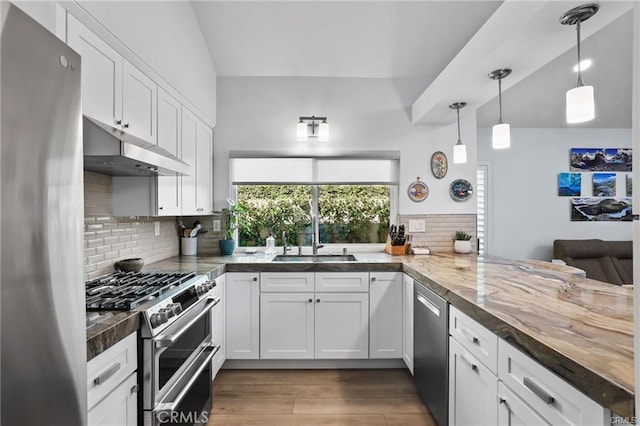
column 540, row 393
column 470, row 337
column 468, row 361
column 108, row 373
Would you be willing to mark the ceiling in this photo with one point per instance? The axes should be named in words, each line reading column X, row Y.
column 375, row 39
column 416, row 39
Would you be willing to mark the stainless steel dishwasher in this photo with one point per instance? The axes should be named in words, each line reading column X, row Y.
column 431, row 351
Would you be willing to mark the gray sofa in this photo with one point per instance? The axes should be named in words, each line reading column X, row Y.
column 608, row 261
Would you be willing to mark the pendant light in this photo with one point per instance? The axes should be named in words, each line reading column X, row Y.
column 580, row 101
column 459, row 149
column 501, row 135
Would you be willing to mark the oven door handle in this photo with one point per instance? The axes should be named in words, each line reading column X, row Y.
column 171, row 406
column 163, row 341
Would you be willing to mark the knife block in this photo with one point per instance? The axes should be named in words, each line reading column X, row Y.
column 395, row 250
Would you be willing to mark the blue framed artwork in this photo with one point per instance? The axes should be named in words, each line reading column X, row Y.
column 601, row 159
column 569, row 184
column 604, row 184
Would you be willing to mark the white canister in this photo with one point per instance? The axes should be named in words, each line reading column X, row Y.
column 189, row 246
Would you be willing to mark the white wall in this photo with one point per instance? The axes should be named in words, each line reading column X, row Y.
column 164, row 34
column 525, row 213
column 364, row 114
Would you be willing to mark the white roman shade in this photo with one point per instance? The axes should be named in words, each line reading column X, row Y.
column 376, row 168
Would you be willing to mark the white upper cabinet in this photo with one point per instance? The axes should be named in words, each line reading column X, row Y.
column 189, row 141
column 139, row 100
column 169, row 139
column 197, row 151
column 101, row 74
column 114, row 92
column 204, row 169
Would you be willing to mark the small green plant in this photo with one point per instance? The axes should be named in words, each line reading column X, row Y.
column 461, row 236
column 231, row 218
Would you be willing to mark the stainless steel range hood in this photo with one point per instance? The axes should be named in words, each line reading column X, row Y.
column 125, row 155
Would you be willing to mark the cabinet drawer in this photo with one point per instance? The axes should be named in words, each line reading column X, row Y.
column 549, row 395
column 353, row 282
column 110, row 368
column 289, row 282
column 119, row 407
column 478, row 340
column 512, row 411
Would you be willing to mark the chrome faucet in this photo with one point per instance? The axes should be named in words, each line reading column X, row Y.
column 285, row 249
column 315, row 234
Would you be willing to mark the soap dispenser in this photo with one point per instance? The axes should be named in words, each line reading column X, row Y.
column 271, row 245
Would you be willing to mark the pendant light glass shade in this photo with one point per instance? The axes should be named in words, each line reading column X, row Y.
column 459, row 153
column 301, row 132
column 323, row 131
column 580, row 104
column 501, row 136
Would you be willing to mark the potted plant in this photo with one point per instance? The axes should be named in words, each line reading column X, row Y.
column 230, row 218
column 461, row 242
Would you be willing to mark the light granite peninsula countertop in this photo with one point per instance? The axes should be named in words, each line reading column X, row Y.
column 579, row 328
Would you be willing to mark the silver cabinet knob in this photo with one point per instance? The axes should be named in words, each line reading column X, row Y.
column 118, row 121
column 126, row 125
column 373, row 278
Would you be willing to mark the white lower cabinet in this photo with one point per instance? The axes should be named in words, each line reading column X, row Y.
column 218, row 328
column 307, row 324
column 385, row 315
column 119, row 407
column 342, row 325
column 287, row 325
column 407, row 321
column 112, row 385
column 242, row 315
column 512, row 411
column 555, row 400
column 472, row 389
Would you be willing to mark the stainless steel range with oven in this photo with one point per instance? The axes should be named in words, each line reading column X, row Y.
column 176, row 346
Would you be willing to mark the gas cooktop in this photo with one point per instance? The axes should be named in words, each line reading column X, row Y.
column 124, row 291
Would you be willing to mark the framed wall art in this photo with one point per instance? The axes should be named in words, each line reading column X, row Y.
column 569, row 184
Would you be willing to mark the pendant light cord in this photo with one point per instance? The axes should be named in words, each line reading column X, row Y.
column 579, row 83
column 458, row 113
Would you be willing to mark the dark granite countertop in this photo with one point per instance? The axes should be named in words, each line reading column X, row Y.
column 579, row 328
column 105, row 329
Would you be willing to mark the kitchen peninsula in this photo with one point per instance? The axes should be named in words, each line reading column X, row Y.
column 580, row 329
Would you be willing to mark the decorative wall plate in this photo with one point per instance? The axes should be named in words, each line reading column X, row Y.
column 418, row 191
column 439, row 164
column 460, row 190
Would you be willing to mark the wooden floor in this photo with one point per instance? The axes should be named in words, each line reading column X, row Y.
column 317, row 397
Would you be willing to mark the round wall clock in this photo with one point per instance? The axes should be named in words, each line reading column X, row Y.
column 439, row 164
column 460, row 190
column 418, row 191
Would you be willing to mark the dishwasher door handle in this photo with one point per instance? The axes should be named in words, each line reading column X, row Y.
column 428, row 304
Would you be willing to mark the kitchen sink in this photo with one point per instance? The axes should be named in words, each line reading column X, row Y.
column 315, row 258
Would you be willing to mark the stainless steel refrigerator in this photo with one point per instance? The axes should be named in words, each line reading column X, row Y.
column 42, row 315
